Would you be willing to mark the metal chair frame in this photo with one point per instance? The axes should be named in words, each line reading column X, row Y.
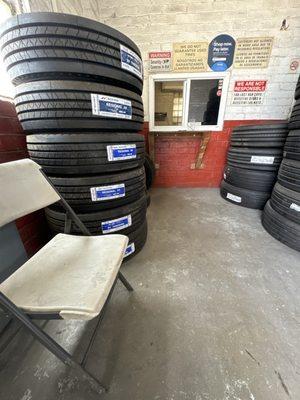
column 54, row 347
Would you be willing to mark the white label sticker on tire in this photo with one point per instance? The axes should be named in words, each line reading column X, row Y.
column 233, row 197
column 117, row 152
column 131, row 61
column 129, row 249
column 111, row 107
column 262, row 160
column 295, row 207
column 224, row 175
column 117, row 224
column 102, row 193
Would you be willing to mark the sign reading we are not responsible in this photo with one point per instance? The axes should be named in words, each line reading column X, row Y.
column 249, row 93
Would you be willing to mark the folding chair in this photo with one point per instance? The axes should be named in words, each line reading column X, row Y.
column 71, row 277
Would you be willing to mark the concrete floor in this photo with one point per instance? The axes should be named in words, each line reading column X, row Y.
column 214, row 315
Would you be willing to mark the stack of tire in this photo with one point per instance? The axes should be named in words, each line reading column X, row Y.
column 281, row 216
column 78, row 98
column 253, row 160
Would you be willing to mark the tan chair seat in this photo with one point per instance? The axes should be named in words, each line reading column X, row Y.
column 71, row 275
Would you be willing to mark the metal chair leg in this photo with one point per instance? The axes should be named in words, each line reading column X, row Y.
column 125, row 282
column 50, row 343
column 94, row 333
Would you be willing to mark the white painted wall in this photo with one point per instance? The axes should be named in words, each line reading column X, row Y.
column 156, row 24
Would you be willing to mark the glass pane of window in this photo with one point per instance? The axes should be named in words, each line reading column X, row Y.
column 205, row 96
column 168, row 103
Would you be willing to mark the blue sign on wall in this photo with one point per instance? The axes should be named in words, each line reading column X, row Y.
column 221, row 52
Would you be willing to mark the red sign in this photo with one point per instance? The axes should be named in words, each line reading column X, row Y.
column 160, row 54
column 250, row 86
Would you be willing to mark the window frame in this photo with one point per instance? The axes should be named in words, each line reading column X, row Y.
column 186, row 78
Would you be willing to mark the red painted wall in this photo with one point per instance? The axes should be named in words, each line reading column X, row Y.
column 175, row 156
column 32, row 228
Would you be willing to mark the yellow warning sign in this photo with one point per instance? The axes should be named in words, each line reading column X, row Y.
column 190, row 57
column 253, row 52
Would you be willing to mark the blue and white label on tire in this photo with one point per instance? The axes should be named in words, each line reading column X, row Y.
column 118, row 152
column 233, row 197
column 295, row 207
column 131, row 61
column 129, row 249
column 111, row 107
column 262, row 160
column 117, row 224
column 109, row 192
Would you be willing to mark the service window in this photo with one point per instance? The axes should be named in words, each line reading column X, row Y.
column 187, row 102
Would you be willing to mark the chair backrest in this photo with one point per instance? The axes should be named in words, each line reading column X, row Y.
column 23, row 189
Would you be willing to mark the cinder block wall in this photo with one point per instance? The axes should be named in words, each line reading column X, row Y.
column 156, row 25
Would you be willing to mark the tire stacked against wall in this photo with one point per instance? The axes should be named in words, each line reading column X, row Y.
column 253, row 160
column 78, row 98
column 281, row 216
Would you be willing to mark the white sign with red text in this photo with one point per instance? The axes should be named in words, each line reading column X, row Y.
column 160, row 61
column 249, row 93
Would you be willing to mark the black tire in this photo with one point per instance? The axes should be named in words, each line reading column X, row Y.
column 294, row 121
column 292, row 146
column 297, row 90
column 243, row 197
column 137, row 241
column 100, row 223
column 286, row 202
column 39, row 46
column 79, row 191
column 88, row 153
column 269, row 135
column 150, row 171
column 289, row 174
column 281, row 228
column 148, row 199
column 261, row 181
column 46, row 106
column 254, row 158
